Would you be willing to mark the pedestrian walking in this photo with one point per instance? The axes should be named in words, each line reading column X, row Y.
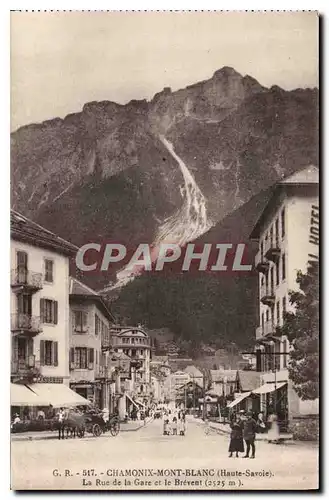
column 182, row 425
column 249, row 434
column 274, row 432
column 236, row 440
column 174, row 426
column 261, row 426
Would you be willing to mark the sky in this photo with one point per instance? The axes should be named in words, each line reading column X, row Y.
column 60, row 61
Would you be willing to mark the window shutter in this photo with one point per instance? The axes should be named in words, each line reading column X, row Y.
column 75, row 320
column 55, row 353
column 84, row 321
column 91, row 359
column 42, row 310
column 55, row 312
column 42, row 352
column 30, row 347
column 22, row 260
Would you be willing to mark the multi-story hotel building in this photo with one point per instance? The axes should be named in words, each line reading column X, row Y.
column 39, row 313
column 135, row 343
column 287, row 233
column 90, row 364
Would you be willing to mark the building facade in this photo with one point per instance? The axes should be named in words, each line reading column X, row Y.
column 287, row 233
column 39, row 303
column 135, row 343
column 90, row 363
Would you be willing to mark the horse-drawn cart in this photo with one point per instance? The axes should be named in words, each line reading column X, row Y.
column 77, row 424
column 96, row 425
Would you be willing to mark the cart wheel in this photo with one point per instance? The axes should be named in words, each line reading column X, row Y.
column 115, row 428
column 97, row 431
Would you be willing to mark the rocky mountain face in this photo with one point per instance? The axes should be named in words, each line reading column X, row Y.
column 164, row 170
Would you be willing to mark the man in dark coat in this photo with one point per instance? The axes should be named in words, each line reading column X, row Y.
column 249, row 434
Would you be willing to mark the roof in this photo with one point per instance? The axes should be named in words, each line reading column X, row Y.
column 215, row 391
column 138, row 332
column 78, row 288
column 218, row 375
column 27, row 231
column 308, row 176
column 80, row 291
column 249, row 380
column 120, row 355
column 189, row 384
column 193, row 371
column 160, row 359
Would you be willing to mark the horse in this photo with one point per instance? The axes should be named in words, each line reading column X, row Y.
column 74, row 423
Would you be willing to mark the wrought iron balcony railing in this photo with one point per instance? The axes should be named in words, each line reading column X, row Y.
column 25, row 324
column 23, row 366
column 26, row 279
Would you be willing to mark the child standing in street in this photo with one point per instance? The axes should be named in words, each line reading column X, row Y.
column 174, row 426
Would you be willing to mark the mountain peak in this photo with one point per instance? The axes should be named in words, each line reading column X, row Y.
column 226, row 72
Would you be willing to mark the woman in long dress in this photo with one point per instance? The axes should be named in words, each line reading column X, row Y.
column 274, row 432
column 236, row 441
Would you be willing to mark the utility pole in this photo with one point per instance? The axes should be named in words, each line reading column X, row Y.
column 204, row 396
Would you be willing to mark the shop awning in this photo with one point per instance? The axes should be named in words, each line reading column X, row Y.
column 57, row 395
column 133, row 402
column 267, row 388
column 238, row 400
column 21, row 395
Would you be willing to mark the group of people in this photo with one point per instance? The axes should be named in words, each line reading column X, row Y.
column 243, row 429
column 174, row 423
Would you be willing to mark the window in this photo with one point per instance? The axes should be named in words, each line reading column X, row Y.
column 48, row 353
column 80, row 321
column 278, row 313
column 271, row 237
column 284, row 307
column 97, row 325
column 286, row 353
column 49, row 270
column 277, row 268
column 272, row 280
column 261, row 250
column 24, row 304
column 142, row 352
column 267, row 315
column 277, row 232
column 283, row 267
column 262, row 322
column 21, row 262
column 283, row 225
column 84, row 358
column 49, row 311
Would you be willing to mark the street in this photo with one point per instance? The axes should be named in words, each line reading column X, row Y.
column 145, row 459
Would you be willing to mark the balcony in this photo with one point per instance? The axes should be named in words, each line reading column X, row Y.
column 262, row 266
column 273, row 252
column 267, row 296
column 263, row 331
column 26, row 280
column 25, row 324
column 23, row 367
column 102, row 372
